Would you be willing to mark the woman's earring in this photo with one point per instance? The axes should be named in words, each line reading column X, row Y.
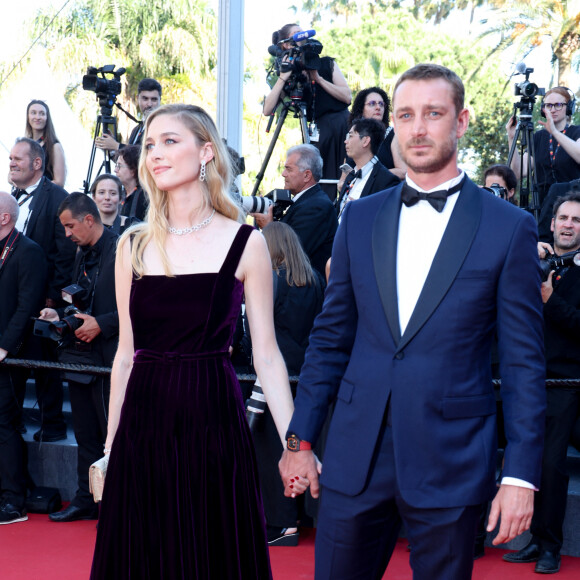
column 202, row 171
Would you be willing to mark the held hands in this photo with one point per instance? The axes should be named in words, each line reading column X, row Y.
column 516, row 507
column 544, row 250
column 89, row 329
column 300, row 470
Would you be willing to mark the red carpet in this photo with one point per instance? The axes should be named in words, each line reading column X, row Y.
column 42, row 550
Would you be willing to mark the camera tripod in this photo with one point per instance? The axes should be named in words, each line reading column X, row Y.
column 298, row 107
column 106, row 123
column 525, row 135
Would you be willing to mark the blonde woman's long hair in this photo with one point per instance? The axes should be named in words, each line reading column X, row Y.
column 286, row 252
column 215, row 188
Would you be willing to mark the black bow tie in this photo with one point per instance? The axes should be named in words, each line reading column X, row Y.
column 410, row 196
column 353, row 175
column 18, row 193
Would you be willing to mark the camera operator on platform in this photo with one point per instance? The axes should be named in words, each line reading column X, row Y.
column 557, row 145
column 22, row 282
column 370, row 175
column 311, row 215
column 327, row 96
column 95, row 339
column 561, row 297
column 148, row 99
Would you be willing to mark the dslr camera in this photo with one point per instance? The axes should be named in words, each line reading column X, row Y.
column 553, row 262
column 497, row 190
column 279, row 198
column 63, row 330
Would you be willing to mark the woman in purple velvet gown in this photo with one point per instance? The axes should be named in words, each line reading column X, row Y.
column 181, row 498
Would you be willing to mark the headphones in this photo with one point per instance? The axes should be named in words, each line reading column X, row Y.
column 570, row 105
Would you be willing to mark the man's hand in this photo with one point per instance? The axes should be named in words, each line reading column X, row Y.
column 89, row 329
column 544, row 250
column 516, row 507
column 3, row 354
column 547, row 288
column 263, row 219
column 49, row 314
column 106, row 142
column 299, row 470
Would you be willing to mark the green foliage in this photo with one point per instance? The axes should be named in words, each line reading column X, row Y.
column 381, row 46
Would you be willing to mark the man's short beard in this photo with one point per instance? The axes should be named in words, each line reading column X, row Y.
column 445, row 156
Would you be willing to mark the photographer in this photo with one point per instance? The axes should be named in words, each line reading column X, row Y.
column 311, row 215
column 505, row 178
column 327, row 96
column 93, row 338
column 148, row 99
column 556, row 146
column 561, row 297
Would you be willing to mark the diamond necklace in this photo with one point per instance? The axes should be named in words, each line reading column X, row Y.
column 194, row 228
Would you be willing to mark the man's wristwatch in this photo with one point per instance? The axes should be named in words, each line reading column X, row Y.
column 295, row 444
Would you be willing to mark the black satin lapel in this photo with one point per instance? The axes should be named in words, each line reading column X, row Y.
column 453, row 249
column 384, row 249
column 370, row 182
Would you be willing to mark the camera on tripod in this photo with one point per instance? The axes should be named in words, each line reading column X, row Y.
column 105, row 88
column 527, row 90
column 304, row 53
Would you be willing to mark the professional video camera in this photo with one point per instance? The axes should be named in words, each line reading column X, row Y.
column 553, row 262
column 279, row 198
column 497, row 190
column 106, row 89
column 303, row 55
column 527, row 90
column 62, row 330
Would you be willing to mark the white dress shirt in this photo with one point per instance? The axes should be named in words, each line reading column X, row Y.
column 24, row 215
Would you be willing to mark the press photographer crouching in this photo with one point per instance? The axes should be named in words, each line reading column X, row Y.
column 561, row 297
column 90, row 336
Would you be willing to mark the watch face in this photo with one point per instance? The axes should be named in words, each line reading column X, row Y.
column 293, row 444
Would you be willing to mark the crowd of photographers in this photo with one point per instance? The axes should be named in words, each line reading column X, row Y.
column 57, row 247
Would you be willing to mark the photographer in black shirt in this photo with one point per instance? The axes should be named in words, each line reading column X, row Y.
column 92, row 339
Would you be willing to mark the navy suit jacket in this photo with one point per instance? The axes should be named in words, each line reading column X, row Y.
column 437, row 376
column 379, row 179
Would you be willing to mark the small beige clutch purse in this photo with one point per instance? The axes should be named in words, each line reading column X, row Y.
column 97, row 473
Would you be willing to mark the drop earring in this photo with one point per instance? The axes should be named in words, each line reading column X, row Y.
column 202, row 171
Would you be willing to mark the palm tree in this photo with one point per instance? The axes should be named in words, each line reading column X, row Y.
column 525, row 24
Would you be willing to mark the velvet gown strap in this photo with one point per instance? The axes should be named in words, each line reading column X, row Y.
column 236, row 250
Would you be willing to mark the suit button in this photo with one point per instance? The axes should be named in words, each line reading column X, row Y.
column 400, row 355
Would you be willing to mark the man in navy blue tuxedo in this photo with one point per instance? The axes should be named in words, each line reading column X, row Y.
column 422, row 277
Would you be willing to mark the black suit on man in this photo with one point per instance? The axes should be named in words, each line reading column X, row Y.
column 89, row 403
column 313, row 218
column 45, row 229
column 22, row 282
column 562, row 340
column 379, row 179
